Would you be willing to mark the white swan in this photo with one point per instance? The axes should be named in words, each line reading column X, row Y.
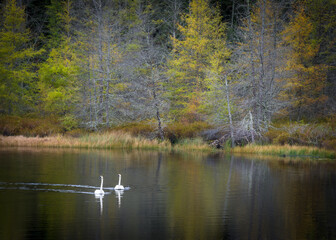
column 100, row 192
column 119, row 186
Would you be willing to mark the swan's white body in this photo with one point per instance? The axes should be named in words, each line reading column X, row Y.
column 119, row 186
column 100, row 192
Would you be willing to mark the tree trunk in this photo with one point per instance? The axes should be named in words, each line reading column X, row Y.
column 260, row 101
column 254, row 85
column 156, row 103
column 229, row 112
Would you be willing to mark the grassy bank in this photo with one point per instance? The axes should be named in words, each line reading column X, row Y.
column 122, row 140
column 286, row 151
column 102, row 141
column 111, row 140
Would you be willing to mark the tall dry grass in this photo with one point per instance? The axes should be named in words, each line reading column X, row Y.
column 286, row 150
column 110, row 140
column 122, row 140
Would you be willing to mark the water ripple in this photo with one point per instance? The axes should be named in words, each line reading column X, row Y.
column 25, row 186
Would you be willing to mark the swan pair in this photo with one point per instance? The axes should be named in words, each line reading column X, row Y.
column 100, row 192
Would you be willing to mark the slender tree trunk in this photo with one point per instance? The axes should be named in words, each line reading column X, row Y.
column 156, row 103
column 159, row 122
column 174, row 19
column 90, row 92
column 108, row 78
column 251, row 126
column 262, row 65
column 251, row 47
column 274, row 61
column 99, row 13
column 95, row 105
column 229, row 112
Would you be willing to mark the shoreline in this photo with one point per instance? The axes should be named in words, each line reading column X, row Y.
column 121, row 140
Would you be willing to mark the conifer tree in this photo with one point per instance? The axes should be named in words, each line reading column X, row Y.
column 307, row 80
column 17, row 78
column 191, row 58
column 55, row 23
column 58, row 74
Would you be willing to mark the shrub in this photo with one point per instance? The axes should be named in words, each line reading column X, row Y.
column 69, row 122
column 75, row 133
column 177, row 131
column 302, row 134
column 9, row 125
column 143, row 128
column 282, row 139
column 329, row 144
column 30, row 127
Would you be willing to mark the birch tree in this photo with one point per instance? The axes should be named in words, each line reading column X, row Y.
column 149, row 68
column 103, row 56
column 260, row 63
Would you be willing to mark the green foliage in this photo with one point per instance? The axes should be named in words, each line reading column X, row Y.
column 55, row 23
column 201, row 35
column 69, row 122
column 58, row 83
column 58, row 77
column 133, row 47
column 17, row 76
column 308, row 80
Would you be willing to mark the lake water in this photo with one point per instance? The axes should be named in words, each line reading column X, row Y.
column 48, row 194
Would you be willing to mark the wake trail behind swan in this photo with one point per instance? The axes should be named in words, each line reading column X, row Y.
column 47, row 187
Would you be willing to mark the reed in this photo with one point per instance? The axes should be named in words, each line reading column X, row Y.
column 111, row 140
column 286, row 150
column 122, row 140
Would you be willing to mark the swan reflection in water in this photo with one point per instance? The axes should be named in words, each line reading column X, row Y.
column 99, row 193
column 119, row 194
column 100, row 197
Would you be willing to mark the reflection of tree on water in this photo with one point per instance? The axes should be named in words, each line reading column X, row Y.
column 227, row 191
column 251, row 188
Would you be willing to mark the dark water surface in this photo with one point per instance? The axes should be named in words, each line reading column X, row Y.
column 48, row 194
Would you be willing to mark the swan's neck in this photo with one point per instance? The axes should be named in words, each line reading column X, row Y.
column 101, row 184
column 119, row 180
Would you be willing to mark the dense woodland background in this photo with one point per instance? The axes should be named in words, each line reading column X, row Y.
column 231, row 69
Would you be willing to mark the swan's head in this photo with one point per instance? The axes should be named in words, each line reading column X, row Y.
column 101, row 177
column 119, row 175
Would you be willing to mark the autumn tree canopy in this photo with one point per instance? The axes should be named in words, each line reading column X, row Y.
column 236, row 65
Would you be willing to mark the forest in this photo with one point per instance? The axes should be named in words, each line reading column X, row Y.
column 227, row 71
